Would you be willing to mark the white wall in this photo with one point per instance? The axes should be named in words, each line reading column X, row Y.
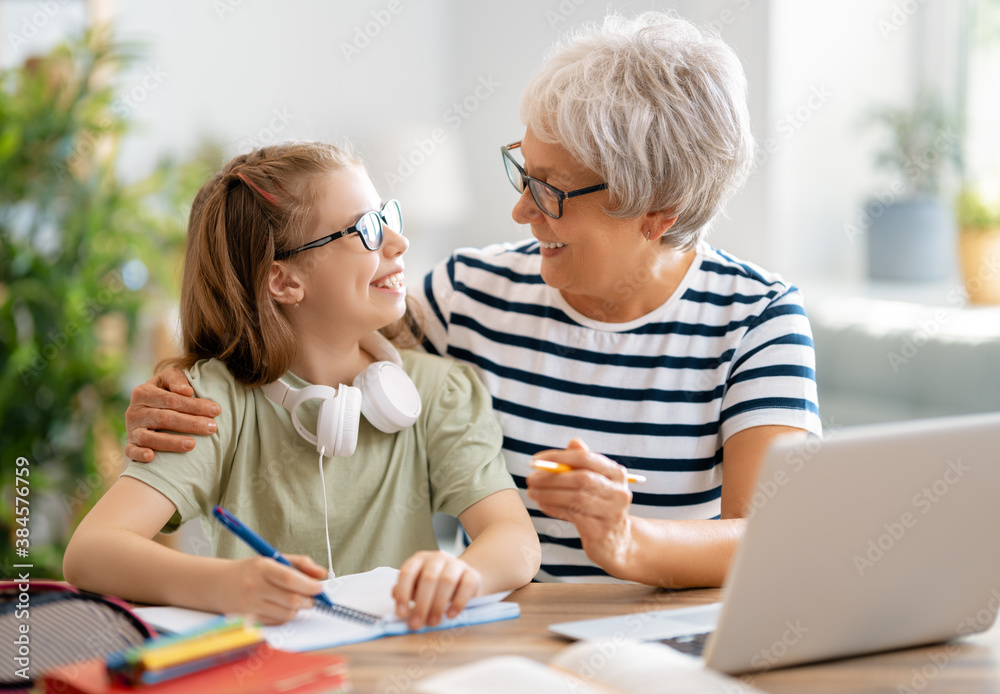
column 235, row 71
column 246, row 71
column 856, row 54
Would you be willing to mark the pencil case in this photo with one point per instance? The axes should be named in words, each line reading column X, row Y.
column 46, row 624
column 224, row 640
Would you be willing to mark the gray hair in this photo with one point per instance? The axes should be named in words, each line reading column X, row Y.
column 657, row 107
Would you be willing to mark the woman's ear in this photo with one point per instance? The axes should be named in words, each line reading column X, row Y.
column 656, row 224
column 284, row 284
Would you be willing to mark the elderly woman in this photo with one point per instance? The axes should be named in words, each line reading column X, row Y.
column 617, row 337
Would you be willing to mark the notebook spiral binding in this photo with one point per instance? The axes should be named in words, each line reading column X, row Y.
column 350, row 613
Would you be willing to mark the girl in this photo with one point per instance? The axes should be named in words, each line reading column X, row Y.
column 293, row 265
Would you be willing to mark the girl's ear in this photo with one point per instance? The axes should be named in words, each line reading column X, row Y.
column 284, row 284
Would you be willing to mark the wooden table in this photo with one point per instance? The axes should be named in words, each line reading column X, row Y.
column 392, row 665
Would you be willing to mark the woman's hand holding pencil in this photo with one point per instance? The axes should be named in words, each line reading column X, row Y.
column 549, row 466
column 591, row 491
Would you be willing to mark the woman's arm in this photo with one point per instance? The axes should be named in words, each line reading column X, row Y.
column 667, row 553
column 504, row 555
column 112, row 552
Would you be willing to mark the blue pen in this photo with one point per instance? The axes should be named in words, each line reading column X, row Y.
column 260, row 545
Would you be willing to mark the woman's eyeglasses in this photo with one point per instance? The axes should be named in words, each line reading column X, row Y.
column 548, row 198
column 369, row 228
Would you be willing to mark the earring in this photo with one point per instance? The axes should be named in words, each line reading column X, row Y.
column 647, row 236
column 297, row 303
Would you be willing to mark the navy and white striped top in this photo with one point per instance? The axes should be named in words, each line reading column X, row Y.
column 729, row 350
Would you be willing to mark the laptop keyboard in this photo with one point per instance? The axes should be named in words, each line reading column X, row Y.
column 692, row 644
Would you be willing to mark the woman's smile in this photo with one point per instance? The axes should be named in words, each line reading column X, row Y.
column 551, row 249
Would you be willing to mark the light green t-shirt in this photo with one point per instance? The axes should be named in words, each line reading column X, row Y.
column 381, row 499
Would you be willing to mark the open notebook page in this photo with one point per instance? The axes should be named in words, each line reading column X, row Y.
column 312, row 629
column 372, row 592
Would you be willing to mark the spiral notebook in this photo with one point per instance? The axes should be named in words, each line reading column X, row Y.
column 364, row 610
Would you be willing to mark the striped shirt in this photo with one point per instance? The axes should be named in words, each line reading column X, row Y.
column 729, row 350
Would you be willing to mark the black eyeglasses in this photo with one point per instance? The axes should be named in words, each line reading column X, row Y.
column 548, row 198
column 369, row 228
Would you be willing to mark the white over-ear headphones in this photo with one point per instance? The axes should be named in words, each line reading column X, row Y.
column 383, row 393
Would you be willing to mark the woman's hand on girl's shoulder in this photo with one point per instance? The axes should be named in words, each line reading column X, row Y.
column 272, row 592
column 433, row 585
column 166, row 402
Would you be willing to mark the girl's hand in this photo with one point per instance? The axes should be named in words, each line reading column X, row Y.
column 434, row 582
column 270, row 591
column 595, row 498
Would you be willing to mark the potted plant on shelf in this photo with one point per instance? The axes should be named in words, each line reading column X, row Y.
column 977, row 210
column 912, row 234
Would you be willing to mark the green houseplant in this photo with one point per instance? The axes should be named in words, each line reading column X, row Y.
column 977, row 210
column 80, row 250
column 911, row 235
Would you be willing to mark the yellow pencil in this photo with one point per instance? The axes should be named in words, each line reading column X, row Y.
column 549, row 466
column 201, row 647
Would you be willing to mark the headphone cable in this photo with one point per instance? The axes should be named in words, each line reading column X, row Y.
column 326, row 515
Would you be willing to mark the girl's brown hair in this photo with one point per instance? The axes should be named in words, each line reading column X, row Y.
column 260, row 203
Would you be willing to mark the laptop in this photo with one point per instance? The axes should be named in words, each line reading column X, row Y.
column 875, row 538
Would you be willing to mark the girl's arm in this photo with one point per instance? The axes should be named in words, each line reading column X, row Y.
column 112, row 552
column 504, row 546
column 504, row 555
